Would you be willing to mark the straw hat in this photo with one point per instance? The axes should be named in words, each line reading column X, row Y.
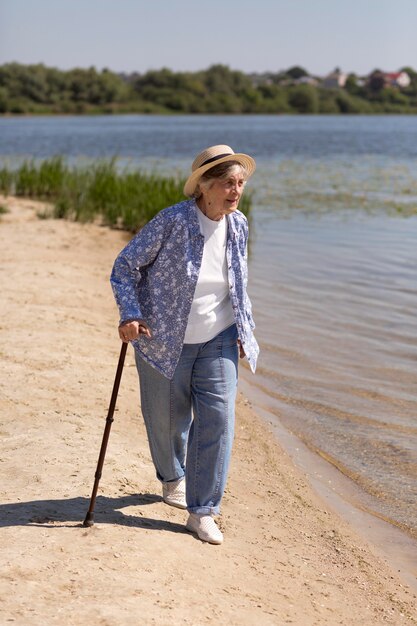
column 210, row 158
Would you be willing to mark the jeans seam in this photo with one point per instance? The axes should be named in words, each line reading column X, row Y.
column 225, row 431
column 197, row 445
column 170, row 424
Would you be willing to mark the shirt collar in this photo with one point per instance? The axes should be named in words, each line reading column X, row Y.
column 194, row 224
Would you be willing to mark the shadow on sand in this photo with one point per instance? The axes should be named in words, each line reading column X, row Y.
column 63, row 513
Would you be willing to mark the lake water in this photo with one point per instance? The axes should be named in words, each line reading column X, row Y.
column 333, row 266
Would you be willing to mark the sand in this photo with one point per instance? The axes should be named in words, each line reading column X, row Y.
column 287, row 558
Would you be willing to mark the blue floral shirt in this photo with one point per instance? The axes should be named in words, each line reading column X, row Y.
column 155, row 276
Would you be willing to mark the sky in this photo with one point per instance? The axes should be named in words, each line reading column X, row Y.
column 189, row 35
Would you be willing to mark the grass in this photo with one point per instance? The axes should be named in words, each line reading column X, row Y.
column 126, row 199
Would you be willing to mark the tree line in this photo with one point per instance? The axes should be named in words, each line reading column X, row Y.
column 37, row 89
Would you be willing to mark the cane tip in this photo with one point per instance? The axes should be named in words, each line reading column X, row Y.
column 89, row 521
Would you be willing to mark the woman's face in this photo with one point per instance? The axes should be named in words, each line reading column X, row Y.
column 222, row 196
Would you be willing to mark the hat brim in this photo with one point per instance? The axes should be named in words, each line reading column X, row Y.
column 244, row 159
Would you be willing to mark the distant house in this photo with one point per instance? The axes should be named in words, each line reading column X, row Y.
column 335, row 79
column 380, row 80
column 306, row 80
column 396, row 79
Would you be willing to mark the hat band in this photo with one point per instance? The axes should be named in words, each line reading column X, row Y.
column 216, row 158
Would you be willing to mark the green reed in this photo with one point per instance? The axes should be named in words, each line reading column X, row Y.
column 126, row 199
column 6, row 181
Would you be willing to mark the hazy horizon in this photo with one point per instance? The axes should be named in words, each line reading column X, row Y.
column 202, row 69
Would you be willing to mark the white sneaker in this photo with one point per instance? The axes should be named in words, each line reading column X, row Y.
column 173, row 493
column 205, row 527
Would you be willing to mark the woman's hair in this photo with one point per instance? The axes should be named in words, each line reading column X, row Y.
column 220, row 172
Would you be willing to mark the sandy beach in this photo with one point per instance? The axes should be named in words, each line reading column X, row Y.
column 287, row 558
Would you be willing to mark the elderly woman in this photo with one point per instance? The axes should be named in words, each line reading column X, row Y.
column 180, row 285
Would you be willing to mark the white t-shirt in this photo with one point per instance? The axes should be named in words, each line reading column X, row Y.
column 211, row 310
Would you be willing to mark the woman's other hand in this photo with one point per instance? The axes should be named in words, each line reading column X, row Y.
column 132, row 330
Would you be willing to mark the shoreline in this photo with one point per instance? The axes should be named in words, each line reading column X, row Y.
column 287, row 557
column 344, row 496
column 188, row 114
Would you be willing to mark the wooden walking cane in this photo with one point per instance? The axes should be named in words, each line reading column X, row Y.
column 89, row 519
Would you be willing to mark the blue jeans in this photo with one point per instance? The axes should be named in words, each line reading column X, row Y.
column 190, row 419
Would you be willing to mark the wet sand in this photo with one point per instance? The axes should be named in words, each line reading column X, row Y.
column 287, row 557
